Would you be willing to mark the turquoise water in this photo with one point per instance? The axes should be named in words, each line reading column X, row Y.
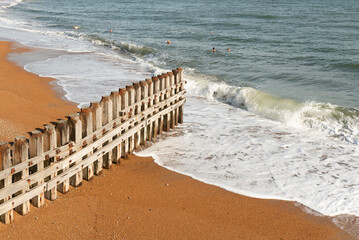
column 304, row 50
column 276, row 117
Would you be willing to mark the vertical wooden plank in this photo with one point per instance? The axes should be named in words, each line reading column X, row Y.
column 5, row 162
column 137, row 135
column 116, row 104
column 50, row 141
column 88, row 124
column 180, row 108
column 144, row 95
column 107, row 111
column 131, row 101
column 124, row 117
column 75, row 128
column 63, row 137
column 21, row 154
column 171, row 93
column 176, row 79
column 149, row 104
column 167, row 116
column 156, row 89
column 96, row 117
column 36, row 148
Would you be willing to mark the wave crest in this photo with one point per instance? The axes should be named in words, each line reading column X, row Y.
column 335, row 120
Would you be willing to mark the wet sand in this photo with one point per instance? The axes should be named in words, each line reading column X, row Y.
column 137, row 199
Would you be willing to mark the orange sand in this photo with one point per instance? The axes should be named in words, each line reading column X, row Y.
column 138, row 199
column 26, row 101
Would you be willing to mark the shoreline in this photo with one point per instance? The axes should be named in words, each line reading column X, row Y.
column 160, row 201
column 27, row 103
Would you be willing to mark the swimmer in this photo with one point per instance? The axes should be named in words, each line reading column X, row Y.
column 76, row 27
column 168, row 42
column 228, row 49
column 110, row 30
column 213, row 49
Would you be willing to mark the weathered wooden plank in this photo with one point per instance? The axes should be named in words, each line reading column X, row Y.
column 63, row 137
column 106, row 104
column 50, row 141
column 20, row 154
column 75, row 126
column 36, row 147
column 91, row 119
column 16, row 201
column 5, row 162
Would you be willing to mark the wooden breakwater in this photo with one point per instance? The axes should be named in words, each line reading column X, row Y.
column 68, row 151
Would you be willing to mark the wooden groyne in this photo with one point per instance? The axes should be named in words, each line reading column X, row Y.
column 76, row 148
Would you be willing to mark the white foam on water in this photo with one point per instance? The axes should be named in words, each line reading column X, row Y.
column 87, row 77
column 241, row 152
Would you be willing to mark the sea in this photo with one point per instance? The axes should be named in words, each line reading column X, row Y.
column 273, row 113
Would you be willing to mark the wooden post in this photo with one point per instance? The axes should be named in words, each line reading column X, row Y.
column 63, row 137
column 50, row 144
column 144, row 95
column 149, row 104
column 96, row 110
column 137, row 135
column 86, row 116
column 171, row 93
column 131, row 101
column 116, row 104
column 107, row 110
column 35, row 149
column 180, row 109
column 21, row 154
column 96, row 167
column 124, row 105
column 5, row 162
column 162, row 97
column 75, row 126
column 167, row 117
column 176, row 79
column 156, row 89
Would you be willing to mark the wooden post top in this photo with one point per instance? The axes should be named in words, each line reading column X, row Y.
column 36, row 133
column 170, row 74
column 92, row 105
column 154, row 79
column 115, row 94
column 49, row 127
column 136, row 85
column 123, row 91
column 105, row 98
column 75, row 116
column 19, row 140
column 129, row 87
column 87, row 110
column 164, row 75
column 3, row 146
column 143, row 83
column 175, row 72
column 148, row 81
column 180, row 69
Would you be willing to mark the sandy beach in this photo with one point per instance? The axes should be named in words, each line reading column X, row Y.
column 137, row 199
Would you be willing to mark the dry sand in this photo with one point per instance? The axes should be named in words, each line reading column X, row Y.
column 138, row 199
